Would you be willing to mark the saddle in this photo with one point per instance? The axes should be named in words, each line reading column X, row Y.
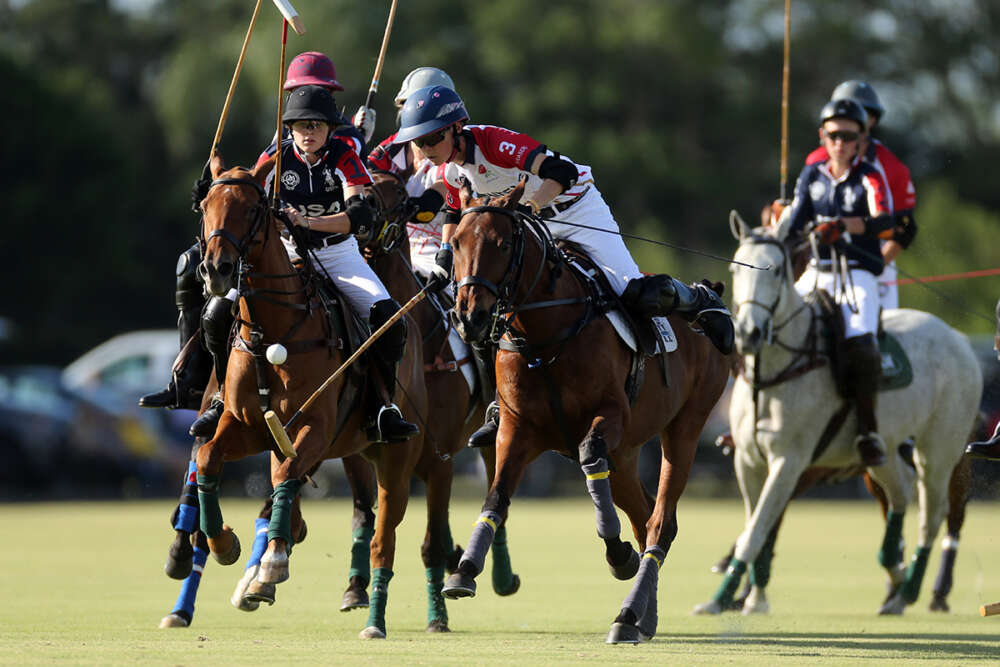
column 896, row 369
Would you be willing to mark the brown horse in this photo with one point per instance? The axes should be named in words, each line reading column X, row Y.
column 453, row 411
column 561, row 378
column 243, row 250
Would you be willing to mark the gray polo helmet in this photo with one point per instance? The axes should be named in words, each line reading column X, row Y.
column 846, row 108
column 862, row 93
column 422, row 77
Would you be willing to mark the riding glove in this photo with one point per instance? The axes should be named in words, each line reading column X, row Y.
column 829, row 232
column 364, row 120
column 441, row 273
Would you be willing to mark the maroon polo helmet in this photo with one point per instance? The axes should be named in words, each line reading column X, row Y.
column 312, row 68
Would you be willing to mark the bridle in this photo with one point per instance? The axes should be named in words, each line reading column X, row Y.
column 258, row 219
column 502, row 330
column 392, row 230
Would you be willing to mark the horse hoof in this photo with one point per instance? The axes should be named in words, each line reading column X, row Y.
column 174, row 621
column 354, row 598
column 438, row 626
column 238, row 600
column 755, row 603
column 894, row 606
column 515, row 586
column 705, row 608
column 273, row 568
column 623, row 633
column 459, row 586
column 939, row 603
column 222, row 553
column 180, row 557
column 256, row 593
column 628, row 569
column 371, row 632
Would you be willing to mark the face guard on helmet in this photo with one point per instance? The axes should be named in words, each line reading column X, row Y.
column 312, row 103
column 428, row 110
column 312, row 68
column 848, row 109
column 863, row 94
column 421, row 78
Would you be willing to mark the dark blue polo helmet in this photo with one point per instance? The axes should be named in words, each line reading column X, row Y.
column 846, row 108
column 428, row 110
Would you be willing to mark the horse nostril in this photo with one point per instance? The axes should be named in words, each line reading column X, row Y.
column 224, row 269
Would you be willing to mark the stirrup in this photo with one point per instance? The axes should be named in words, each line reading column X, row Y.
column 486, row 435
column 165, row 398
column 205, row 425
column 392, row 427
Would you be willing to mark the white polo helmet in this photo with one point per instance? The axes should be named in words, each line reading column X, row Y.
column 422, row 77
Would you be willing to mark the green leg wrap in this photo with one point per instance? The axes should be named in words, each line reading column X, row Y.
column 915, row 574
column 436, row 611
column 208, row 500
column 281, row 511
column 734, row 574
column 889, row 555
column 361, row 553
column 379, row 596
column 760, row 573
column 503, row 574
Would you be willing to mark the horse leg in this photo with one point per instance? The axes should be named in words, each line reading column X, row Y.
column 393, row 494
column 233, row 440
column 783, row 474
column 505, row 580
column 511, row 463
column 183, row 611
column 184, row 522
column 437, row 545
column 958, row 496
column 243, row 598
column 361, row 476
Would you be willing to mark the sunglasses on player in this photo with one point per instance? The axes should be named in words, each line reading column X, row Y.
column 843, row 135
column 430, row 139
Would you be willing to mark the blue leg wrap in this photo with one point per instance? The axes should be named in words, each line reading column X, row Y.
column 479, row 543
column 949, row 552
column 599, row 486
column 186, row 518
column 259, row 541
column 281, row 511
column 890, row 553
column 189, row 589
column 379, row 597
column 645, row 581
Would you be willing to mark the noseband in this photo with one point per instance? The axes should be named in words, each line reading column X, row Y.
column 393, row 218
column 258, row 213
column 786, row 264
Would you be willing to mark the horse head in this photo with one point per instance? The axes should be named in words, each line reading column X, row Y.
column 487, row 265
column 234, row 215
column 392, row 209
column 761, row 296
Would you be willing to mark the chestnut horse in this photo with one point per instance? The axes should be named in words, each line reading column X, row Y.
column 561, row 378
column 243, row 250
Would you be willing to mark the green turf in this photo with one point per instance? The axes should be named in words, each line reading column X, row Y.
column 83, row 583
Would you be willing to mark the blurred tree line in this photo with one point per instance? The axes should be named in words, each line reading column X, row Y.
column 674, row 103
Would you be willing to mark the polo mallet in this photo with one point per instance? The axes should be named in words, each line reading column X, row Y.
column 281, row 101
column 990, row 609
column 232, row 84
column 279, row 432
column 381, row 59
column 291, row 16
column 784, row 101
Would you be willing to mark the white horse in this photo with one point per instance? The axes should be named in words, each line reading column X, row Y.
column 777, row 425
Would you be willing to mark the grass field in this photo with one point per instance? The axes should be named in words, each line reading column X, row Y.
column 83, row 583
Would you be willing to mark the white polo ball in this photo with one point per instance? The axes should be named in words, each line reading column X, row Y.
column 276, row 354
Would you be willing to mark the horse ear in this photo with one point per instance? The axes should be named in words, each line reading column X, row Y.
column 215, row 165
column 515, row 195
column 260, row 172
column 465, row 195
column 782, row 226
column 737, row 226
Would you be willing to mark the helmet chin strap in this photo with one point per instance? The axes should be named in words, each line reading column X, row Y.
column 454, row 143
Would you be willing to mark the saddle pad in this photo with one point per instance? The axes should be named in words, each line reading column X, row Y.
column 667, row 340
column 460, row 350
column 896, row 369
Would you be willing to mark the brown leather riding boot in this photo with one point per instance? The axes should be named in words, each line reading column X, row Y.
column 987, row 449
column 864, row 367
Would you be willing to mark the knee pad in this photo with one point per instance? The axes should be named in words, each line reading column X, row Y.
column 391, row 345
column 651, row 295
column 189, row 286
column 216, row 323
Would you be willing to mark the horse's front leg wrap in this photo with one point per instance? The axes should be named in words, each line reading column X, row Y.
column 890, row 554
column 644, row 588
column 186, row 515
column 361, row 552
column 915, row 574
column 380, row 595
column 734, row 574
column 208, row 499
column 503, row 573
column 280, row 526
column 594, row 463
column 260, row 527
column 436, row 610
column 189, row 589
column 479, row 543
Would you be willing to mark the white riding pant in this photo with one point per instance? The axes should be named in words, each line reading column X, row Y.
column 349, row 272
column 888, row 294
column 607, row 249
column 858, row 299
